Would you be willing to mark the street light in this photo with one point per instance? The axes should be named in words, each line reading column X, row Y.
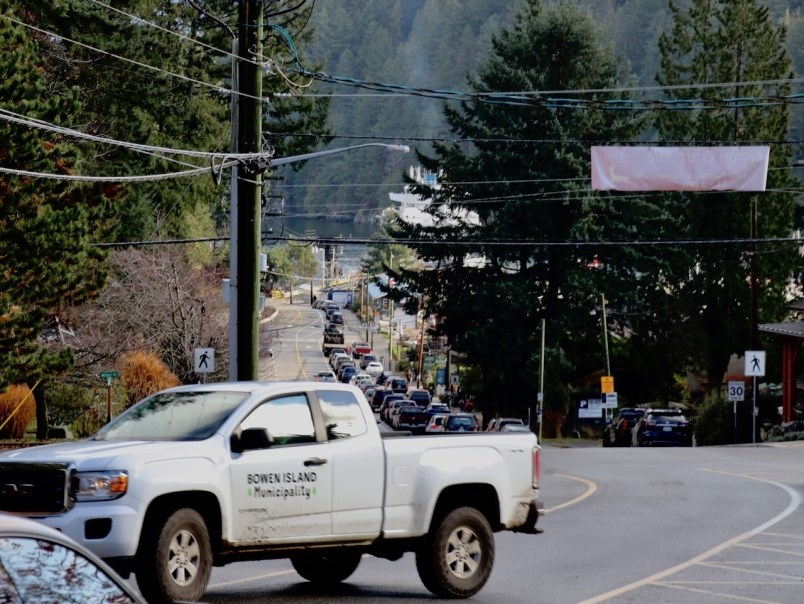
column 244, row 290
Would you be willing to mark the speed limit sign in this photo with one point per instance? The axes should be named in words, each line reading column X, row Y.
column 736, row 391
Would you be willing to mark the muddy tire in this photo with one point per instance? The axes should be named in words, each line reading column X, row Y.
column 175, row 560
column 456, row 559
column 326, row 568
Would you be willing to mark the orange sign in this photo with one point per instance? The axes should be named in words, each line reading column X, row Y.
column 607, row 383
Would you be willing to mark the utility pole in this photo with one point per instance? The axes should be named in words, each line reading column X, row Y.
column 246, row 197
column 390, row 320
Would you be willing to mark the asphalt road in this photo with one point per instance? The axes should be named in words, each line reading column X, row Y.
column 703, row 525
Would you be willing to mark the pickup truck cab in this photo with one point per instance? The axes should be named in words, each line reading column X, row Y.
column 200, row 476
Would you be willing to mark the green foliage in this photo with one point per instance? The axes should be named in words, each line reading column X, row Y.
column 728, row 41
column 490, row 305
column 290, row 264
column 714, row 422
column 46, row 255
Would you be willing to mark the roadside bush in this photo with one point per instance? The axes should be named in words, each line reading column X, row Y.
column 80, row 408
column 11, row 402
column 143, row 374
column 714, row 424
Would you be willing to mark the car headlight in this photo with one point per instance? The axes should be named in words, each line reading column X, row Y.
column 101, row 486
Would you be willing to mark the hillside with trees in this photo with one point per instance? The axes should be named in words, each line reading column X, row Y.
column 424, row 45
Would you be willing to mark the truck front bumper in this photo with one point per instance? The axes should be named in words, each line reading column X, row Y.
column 108, row 529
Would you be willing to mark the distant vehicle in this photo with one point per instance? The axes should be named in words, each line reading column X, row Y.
column 335, row 359
column 514, row 428
column 662, row 427
column 324, row 376
column 399, row 384
column 618, row 432
column 367, row 358
column 374, row 369
column 396, row 409
column 331, row 308
column 360, row 348
column 362, row 380
column 391, row 402
column 436, row 423
column 420, row 396
column 378, row 397
column 41, row 564
column 333, row 340
column 496, row 424
column 437, row 408
column 413, row 418
column 346, row 373
column 461, row 422
column 336, row 318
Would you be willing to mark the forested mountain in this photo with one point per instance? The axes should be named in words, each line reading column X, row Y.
column 434, row 44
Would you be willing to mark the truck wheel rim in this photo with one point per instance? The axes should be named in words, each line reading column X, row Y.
column 463, row 552
column 184, row 558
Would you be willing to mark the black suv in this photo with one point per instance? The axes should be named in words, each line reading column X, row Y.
column 399, row 385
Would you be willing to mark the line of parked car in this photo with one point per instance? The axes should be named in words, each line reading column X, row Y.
column 636, row 427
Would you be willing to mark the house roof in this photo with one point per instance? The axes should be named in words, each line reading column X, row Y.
column 793, row 330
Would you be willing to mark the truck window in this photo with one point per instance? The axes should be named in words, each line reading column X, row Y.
column 287, row 419
column 343, row 416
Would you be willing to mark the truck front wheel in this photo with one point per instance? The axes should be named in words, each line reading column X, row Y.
column 455, row 559
column 175, row 561
column 326, row 568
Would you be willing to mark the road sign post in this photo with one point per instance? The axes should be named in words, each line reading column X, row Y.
column 736, row 393
column 204, row 361
column 108, row 376
column 754, row 368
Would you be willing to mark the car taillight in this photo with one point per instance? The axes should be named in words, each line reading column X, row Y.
column 537, row 466
column 625, row 425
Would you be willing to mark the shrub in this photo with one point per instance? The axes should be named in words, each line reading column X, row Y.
column 11, row 402
column 143, row 374
column 714, row 424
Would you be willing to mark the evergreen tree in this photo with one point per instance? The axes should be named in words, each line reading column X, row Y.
column 490, row 295
column 47, row 259
column 715, row 41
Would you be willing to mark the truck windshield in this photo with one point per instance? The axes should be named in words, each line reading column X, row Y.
column 173, row 416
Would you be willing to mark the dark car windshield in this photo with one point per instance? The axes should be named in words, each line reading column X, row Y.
column 174, row 416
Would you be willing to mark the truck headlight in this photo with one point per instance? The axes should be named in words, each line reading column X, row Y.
column 100, row 486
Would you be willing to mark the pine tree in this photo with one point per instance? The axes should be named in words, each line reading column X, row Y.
column 525, row 166
column 47, row 258
column 732, row 41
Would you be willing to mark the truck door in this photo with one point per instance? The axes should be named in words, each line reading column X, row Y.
column 358, row 465
column 282, row 493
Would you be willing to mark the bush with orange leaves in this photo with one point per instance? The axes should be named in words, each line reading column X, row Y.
column 9, row 402
column 143, row 374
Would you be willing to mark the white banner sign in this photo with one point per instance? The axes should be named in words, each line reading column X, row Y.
column 680, row 168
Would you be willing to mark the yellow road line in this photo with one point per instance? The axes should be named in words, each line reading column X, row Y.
column 591, row 487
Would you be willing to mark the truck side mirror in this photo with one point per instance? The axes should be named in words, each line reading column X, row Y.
column 250, row 439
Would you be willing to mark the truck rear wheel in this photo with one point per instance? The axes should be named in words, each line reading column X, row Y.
column 326, row 568
column 175, row 561
column 456, row 558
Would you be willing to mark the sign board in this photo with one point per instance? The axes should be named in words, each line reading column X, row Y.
column 736, row 391
column 204, row 360
column 609, row 400
column 455, row 379
column 108, row 375
column 754, row 363
column 441, row 376
column 607, row 383
column 590, row 408
column 429, row 361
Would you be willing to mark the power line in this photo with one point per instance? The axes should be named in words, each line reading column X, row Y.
column 516, row 243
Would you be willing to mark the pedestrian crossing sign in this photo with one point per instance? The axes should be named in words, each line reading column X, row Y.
column 204, row 360
column 754, row 363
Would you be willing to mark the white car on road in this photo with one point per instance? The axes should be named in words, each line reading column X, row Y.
column 374, row 369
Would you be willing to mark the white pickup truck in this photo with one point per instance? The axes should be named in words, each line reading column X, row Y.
column 200, row 476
